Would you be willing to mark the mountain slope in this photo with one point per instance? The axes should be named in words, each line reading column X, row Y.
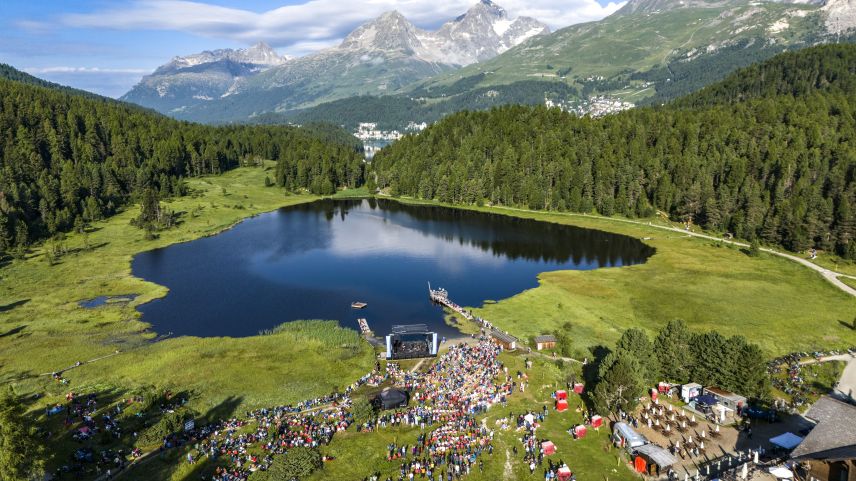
column 827, row 69
column 777, row 167
column 380, row 57
column 194, row 79
column 604, row 56
column 9, row 72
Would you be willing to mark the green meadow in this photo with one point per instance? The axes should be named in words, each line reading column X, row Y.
column 772, row 301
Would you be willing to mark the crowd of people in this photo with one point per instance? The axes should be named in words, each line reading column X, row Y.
column 445, row 400
column 448, row 397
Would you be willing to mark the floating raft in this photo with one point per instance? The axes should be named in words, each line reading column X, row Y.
column 358, row 305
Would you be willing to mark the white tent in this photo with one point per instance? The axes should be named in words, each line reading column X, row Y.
column 782, row 472
column 787, row 440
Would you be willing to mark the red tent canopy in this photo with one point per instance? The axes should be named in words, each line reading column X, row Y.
column 562, row 405
column 565, row 473
column 578, row 388
column 580, row 431
column 596, row 421
column 561, row 395
column 548, row 447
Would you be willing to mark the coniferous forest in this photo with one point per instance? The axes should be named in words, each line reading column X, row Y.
column 67, row 159
column 776, row 163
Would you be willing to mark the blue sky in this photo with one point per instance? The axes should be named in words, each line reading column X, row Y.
column 107, row 46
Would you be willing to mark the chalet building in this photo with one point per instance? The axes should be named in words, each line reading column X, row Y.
column 545, row 342
column 507, row 341
column 734, row 402
column 828, row 452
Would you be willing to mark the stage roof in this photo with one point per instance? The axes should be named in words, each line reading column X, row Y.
column 411, row 329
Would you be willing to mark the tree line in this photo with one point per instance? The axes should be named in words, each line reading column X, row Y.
column 68, row 159
column 679, row 356
column 775, row 164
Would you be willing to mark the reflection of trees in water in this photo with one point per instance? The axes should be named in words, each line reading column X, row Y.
column 507, row 236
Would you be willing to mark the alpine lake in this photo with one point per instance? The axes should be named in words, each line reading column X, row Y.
column 311, row 261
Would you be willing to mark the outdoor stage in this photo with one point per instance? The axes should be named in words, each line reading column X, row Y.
column 411, row 342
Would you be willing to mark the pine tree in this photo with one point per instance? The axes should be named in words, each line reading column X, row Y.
column 21, row 453
column 619, row 384
column 673, row 351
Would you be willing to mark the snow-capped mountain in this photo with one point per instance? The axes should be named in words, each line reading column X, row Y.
column 201, row 77
column 380, row 56
column 260, row 55
column 484, row 32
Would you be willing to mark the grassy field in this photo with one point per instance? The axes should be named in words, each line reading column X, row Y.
column 44, row 329
column 593, row 457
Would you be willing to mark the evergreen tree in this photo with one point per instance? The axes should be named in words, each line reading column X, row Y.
column 635, row 343
column 766, row 155
column 21, row 453
column 619, row 384
column 674, row 351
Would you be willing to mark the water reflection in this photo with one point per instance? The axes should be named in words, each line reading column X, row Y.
column 310, row 261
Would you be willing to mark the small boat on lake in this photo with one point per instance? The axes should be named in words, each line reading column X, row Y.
column 358, row 305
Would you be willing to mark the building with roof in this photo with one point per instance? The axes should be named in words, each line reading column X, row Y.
column 728, row 403
column 653, row 459
column 828, row 452
column 504, row 339
column 545, row 342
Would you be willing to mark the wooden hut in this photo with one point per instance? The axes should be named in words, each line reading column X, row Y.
column 507, row 341
column 545, row 342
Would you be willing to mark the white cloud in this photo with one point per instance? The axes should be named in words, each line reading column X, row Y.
column 315, row 23
column 85, row 70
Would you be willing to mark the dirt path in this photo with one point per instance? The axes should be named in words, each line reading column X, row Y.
column 829, row 275
column 509, row 470
column 847, row 385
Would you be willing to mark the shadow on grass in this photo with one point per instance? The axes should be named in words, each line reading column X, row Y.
column 13, row 331
column 224, row 410
column 12, row 305
column 849, row 325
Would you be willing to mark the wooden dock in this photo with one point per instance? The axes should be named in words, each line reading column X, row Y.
column 364, row 327
column 441, row 296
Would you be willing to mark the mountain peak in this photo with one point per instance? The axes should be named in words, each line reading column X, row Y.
column 390, row 31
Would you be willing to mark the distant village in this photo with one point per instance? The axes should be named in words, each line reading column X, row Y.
column 597, row 106
column 375, row 139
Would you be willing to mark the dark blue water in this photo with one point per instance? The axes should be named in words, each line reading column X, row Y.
column 311, row 261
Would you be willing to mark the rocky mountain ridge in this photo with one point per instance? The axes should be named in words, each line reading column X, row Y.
column 380, row 56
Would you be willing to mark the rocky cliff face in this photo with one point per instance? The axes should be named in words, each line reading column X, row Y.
column 840, row 15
